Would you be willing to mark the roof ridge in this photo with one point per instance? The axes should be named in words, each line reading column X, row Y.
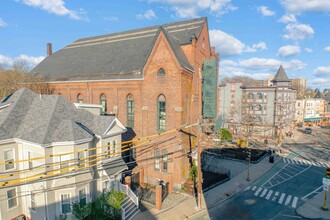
column 51, row 117
column 167, row 25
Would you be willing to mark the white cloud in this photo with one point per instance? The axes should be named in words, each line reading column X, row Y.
column 6, row 61
column 148, row 14
column 228, row 63
column 309, row 50
column 289, row 18
column 256, row 47
column 327, row 49
column 265, row 11
column 56, row 7
column 227, row 45
column 300, row 6
column 288, row 50
column 322, row 71
column 111, row 18
column 298, row 31
column 190, row 8
column 256, row 63
column 3, row 23
column 319, row 82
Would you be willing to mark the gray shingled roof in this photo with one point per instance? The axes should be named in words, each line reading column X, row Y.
column 281, row 76
column 116, row 56
column 48, row 118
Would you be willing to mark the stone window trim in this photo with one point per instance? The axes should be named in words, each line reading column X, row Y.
column 103, row 102
column 161, row 113
column 130, row 110
column 80, row 98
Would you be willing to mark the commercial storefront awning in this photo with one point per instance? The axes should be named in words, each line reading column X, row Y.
column 312, row 119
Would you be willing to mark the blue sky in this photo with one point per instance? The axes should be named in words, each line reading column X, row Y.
column 253, row 37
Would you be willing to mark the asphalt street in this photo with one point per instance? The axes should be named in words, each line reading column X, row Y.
column 295, row 179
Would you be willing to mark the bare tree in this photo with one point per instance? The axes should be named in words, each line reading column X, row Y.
column 19, row 76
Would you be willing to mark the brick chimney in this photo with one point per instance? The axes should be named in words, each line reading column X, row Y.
column 49, row 49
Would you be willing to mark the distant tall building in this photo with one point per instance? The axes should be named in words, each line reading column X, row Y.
column 299, row 84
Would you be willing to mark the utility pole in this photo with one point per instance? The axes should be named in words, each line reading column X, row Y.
column 199, row 172
column 279, row 139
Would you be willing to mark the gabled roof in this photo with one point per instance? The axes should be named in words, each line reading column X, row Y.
column 46, row 119
column 281, row 76
column 116, row 56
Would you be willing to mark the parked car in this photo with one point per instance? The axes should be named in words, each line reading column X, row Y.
column 308, row 130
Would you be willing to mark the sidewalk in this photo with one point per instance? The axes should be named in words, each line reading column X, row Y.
column 187, row 209
column 312, row 208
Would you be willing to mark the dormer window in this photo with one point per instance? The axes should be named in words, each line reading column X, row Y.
column 161, row 72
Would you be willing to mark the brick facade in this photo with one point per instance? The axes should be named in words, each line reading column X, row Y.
column 181, row 88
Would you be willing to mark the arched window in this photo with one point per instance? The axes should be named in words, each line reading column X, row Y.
column 258, row 119
column 130, row 110
column 161, row 113
column 250, row 95
column 161, row 72
column 103, row 102
column 259, row 95
column 259, row 108
column 80, row 99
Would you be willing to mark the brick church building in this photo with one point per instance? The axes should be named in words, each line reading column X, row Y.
column 150, row 78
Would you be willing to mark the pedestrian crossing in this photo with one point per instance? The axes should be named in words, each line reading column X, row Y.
column 274, row 196
column 306, row 162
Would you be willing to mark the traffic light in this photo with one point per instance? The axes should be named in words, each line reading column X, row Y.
column 327, row 173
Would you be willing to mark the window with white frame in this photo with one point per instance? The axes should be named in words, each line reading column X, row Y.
column 9, row 159
column 113, row 150
column 33, row 201
column 82, row 159
column 30, row 162
column 82, row 197
column 12, row 198
column 109, row 149
column 64, row 162
column 65, row 203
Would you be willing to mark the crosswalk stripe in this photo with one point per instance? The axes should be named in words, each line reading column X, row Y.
column 284, row 160
column 288, row 200
column 263, row 193
column 309, row 163
column 314, row 163
column 269, row 194
column 247, row 188
column 275, row 196
column 281, row 199
column 294, row 203
column 254, row 188
column 258, row 191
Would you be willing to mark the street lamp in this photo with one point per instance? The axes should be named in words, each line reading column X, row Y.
column 248, row 156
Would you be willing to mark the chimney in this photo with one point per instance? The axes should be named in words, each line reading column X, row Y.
column 49, row 49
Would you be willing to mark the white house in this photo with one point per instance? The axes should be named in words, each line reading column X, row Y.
column 52, row 153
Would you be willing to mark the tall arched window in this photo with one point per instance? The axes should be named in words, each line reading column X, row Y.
column 161, row 113
column 130, row 110
column 103, row 102
column 161, row 72
column 80, row 99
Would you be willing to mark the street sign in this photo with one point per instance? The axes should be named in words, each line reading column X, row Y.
column 325, row 188
column 326, row 182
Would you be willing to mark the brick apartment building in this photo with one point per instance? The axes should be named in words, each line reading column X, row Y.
column 149, row 78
